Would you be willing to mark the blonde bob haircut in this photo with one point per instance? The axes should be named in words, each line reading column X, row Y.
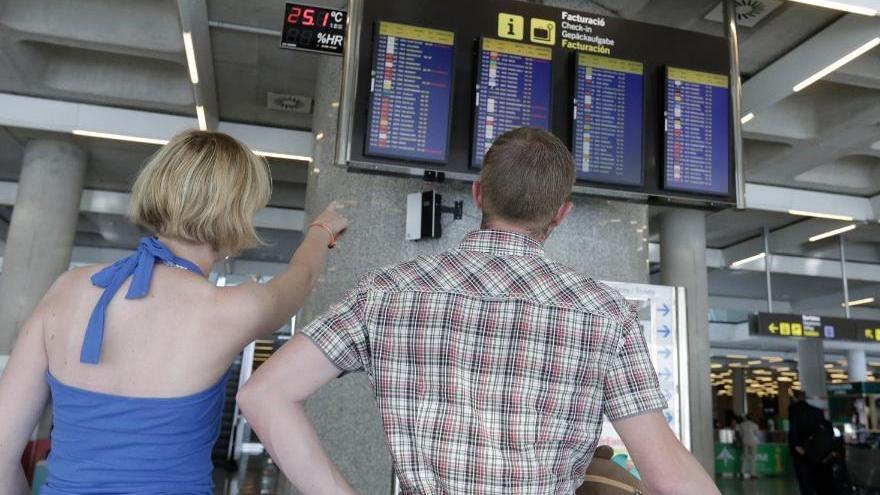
column 203, row 187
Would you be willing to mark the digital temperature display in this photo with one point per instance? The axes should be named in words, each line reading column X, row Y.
column 314, row 29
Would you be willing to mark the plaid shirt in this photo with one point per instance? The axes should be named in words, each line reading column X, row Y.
column 491, row 365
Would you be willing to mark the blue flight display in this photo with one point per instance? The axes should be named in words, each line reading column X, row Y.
column 608, row 120
column 697, row 147
column 513, row 91
column 411, row 93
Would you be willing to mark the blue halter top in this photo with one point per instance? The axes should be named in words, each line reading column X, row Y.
column 110, row 444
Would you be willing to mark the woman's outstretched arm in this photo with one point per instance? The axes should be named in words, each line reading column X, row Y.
column 264, row 308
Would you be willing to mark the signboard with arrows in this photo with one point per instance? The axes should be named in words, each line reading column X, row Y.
column 661, row 314
column 787, row 325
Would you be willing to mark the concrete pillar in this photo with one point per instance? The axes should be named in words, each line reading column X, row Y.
column 605, row 239
column 41, row 231
column 683, row 263
column 784, row 401
column 740, row 406
column 811, row 368
column 857, row 365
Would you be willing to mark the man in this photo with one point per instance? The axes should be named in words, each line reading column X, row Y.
column 749, row 433
column 491, row 365
column 805, row 420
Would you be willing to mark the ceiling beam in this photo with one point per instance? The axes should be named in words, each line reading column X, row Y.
column 784, row 199
column 776, row 81
column 65, row 117
column 784, row 264
column 117, row 203
column 194, row 20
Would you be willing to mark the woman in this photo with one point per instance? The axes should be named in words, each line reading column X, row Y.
column 135, row 354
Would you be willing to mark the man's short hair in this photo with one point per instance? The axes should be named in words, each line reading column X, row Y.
column 527, row 175
column 203, row 187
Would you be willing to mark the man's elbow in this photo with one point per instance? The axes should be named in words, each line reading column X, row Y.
column 249, row 398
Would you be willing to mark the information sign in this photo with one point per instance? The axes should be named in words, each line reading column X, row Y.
column 803, row 326
column 410, row 93
column 697, row 132
column 513, row 90
column 867, row 330
column 608, row 115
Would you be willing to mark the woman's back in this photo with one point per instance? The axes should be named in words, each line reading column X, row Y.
column 145, row 417
column 166, row 344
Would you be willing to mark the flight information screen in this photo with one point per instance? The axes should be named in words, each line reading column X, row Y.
column 697, row 132
column 410, row 93
column 513, row 90
column 608, row 119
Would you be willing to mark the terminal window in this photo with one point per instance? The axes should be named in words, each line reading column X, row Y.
column 697, row 132
column 608, row 120
column 513, row 90
column 410, row 93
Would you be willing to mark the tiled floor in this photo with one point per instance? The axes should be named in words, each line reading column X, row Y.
column 766, row 486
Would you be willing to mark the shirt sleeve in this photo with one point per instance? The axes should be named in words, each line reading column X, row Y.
column 342, row 333
column 631, row 385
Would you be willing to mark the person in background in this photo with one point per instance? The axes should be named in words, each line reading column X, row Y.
column 135, row 355
column 804, row 421
column 750, row 434
column 492, row 366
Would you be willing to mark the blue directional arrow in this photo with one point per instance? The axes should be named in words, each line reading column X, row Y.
column 664, row 352
column 665, row 374
column 669, row 417
column 664, row 309
column 664, row 331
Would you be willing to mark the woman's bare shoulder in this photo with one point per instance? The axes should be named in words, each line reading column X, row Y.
column 72, row 283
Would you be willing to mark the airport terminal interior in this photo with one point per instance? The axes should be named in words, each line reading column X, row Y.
column 728, row 183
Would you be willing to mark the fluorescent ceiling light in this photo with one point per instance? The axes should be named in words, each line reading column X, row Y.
column 832, row 233
column 190, row 57
column 844, row 6
column 120, row 137
column 859, row 302
column 836, row 65
column 750, row 259
column 283, row 156
column 200, row 114
column 747, row 117
column 829, row 216
column 736, row 356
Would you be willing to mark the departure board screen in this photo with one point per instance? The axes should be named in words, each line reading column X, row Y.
column 608, row 119
column 513, row 90
column 410, row 93
column 697, row 133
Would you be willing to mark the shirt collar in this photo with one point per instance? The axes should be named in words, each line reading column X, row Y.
column 501, row 243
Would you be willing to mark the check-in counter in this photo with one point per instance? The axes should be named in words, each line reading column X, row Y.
column 773, row 459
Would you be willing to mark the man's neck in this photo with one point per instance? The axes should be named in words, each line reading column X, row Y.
column 203, row 255
column 511, row 227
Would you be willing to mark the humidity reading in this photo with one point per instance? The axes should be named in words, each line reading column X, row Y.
column 513, row 90
column 608, row 120
column 410, row 93
column 697, row 151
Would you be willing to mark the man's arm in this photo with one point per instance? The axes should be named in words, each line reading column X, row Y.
column 663, row 462
column 273, row 400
